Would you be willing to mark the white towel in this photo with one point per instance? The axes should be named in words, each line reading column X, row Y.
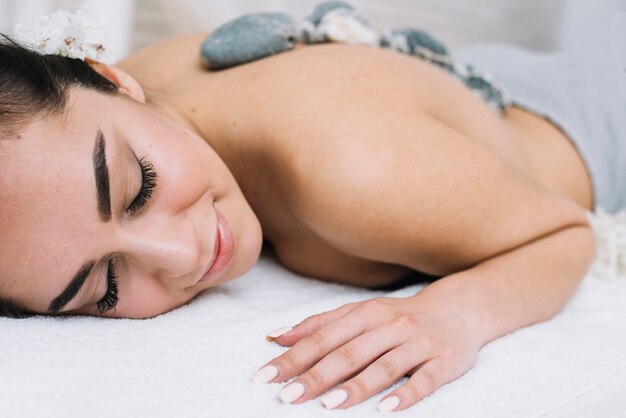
column 196, row 361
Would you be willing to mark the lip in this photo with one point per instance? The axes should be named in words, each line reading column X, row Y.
column 224, row 247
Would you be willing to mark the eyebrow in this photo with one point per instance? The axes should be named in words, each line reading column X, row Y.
column 72, row 288
column 101, row 173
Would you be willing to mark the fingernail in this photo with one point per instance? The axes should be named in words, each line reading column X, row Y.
column 277, row 333
column 291, row 392
column 334, row 398
column 389, row 404
column 265, row 374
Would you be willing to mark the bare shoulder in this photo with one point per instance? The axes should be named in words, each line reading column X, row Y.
column 166, row 61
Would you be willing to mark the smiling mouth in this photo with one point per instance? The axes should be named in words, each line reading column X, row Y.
column 216, row 252
column 224, row 250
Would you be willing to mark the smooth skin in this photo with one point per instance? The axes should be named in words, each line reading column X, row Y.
column 362, row 165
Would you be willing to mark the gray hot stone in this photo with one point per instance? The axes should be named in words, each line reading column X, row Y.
column 414, row 38
column 255, row 36
column 248, row 38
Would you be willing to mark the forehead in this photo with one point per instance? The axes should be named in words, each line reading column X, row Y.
column 48, row 205
column 46, row 157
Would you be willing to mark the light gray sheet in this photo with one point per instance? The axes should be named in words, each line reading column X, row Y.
column 584, row 96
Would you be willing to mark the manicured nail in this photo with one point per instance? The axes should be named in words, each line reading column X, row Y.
column 334, row 398
column 291, row 392
column 389, row 404
column 265, row 374
column 277, row 333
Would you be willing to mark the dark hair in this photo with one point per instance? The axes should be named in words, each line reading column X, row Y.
column 11, row 309
column 34, row 84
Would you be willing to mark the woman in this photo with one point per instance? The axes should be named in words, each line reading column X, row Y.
column 356, row 164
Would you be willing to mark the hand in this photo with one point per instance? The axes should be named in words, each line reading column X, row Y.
column 369, row 346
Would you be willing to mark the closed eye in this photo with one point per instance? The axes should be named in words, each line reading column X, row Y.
column 148, row 183
column 111, row 298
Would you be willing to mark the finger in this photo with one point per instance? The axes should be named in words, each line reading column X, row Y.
column 306, row 352
column 422, row 383
column 378, row 376
column 309, row 325
column 345, row 362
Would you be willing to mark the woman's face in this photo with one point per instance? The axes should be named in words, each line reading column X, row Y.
column 55, row 225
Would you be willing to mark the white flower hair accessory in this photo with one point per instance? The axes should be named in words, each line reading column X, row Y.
column 73, row 35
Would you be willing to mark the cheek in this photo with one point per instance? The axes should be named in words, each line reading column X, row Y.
column 187, row 167
column 181, row 180
column 142, row 297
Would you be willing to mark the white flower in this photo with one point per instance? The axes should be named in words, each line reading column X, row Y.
column 74, row 35
column 610, row 231
column 341, row 25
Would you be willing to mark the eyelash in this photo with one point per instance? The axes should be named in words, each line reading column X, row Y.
column 148, row 183
column 110, row 299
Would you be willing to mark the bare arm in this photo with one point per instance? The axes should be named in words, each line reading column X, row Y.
column 518, row 288
column 439, row 330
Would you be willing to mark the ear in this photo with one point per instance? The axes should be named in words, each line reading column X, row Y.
column 124, row 81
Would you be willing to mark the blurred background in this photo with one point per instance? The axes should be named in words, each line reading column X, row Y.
column 542, row 25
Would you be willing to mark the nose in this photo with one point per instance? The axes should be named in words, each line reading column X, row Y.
column 166, row 247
